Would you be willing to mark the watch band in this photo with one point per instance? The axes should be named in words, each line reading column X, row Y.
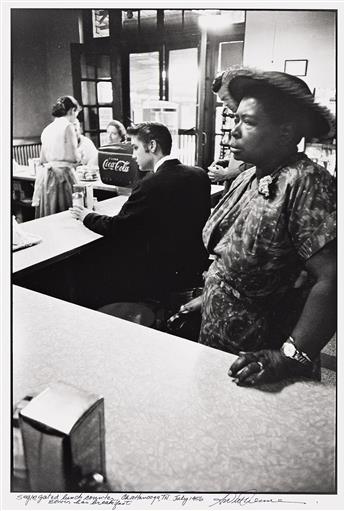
column 298, row 355
column 300, row 352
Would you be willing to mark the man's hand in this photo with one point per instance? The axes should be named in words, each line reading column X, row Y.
column 217, row 172
column 79, row 212
column 264, row 366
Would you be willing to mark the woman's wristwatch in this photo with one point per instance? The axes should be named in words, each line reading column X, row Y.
column 290, row 350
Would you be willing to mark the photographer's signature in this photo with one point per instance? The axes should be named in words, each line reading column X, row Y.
column 243, row 499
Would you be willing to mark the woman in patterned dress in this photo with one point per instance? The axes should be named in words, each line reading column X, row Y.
column 276, row 221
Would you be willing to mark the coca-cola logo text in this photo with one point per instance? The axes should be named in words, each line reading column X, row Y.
column 116, row 165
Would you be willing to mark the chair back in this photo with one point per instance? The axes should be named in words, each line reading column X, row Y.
column 24, row 149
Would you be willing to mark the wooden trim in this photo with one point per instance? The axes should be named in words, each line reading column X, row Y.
column 162, row 83
column 126, row 110
column 76, row 50
column 210, row 102
column 201, row 99
column 26, row 141
column 160, row 21
column 206, row 102
column 116, row 68
column 87, row 25
column 96, row 79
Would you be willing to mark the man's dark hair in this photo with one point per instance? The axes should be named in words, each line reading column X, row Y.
column 217, row 82
column 147, row 131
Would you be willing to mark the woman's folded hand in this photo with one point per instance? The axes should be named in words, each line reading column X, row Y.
column 264, row 366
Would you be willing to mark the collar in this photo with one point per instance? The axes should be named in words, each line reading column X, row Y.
column 162, row 160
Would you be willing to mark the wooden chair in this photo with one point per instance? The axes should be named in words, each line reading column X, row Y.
column 23, row 149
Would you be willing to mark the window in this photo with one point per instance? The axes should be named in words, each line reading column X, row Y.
column 183, row 84
column 144, row 81
column 96, row 95
column 183, row 88
column 229, row 53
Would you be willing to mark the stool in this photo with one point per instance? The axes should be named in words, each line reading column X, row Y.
column 141, row 313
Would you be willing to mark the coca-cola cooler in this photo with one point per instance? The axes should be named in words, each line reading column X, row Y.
column 116, row 165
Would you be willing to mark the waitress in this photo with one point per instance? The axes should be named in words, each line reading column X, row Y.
column 59, row 157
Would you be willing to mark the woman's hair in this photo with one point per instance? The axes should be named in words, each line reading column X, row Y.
column 120, row 128
column 281, row 109
column 63, row 105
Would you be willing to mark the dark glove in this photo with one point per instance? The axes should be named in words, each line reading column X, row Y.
column 264, row 366
column 186, row 323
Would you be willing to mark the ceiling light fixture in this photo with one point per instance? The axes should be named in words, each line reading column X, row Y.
column 214, row 22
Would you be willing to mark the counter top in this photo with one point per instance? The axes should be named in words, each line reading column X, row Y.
column 174, row 420
column 61, row 236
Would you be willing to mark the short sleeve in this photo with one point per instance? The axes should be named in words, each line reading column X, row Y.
column 312, row 212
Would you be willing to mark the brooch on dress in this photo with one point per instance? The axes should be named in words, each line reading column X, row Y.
column 264, row 186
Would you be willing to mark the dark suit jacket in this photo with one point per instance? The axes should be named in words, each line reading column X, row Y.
column 159, row 228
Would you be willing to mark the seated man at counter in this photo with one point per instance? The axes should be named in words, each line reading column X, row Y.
column 154, row 245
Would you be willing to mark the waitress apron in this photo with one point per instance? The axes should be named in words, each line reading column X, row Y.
column 53, row 188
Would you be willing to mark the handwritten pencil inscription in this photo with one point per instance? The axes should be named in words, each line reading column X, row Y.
column 115, row 501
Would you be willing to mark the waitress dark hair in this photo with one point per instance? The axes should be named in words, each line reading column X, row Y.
column 63, row 105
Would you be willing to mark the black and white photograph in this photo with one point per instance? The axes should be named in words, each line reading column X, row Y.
column 171, row 255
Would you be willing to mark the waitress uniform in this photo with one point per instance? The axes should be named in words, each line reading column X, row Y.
column 56, row 174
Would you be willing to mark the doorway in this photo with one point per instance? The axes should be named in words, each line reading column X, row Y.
column 163, row 87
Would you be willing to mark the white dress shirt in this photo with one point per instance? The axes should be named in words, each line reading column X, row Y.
column 162, row 160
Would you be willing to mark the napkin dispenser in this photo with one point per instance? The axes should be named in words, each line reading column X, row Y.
column 63, row 438
column 116, row 165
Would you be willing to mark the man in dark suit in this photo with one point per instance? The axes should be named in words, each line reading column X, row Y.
column 154, row 245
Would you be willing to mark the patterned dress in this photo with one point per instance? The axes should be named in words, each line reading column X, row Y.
column 260, row 242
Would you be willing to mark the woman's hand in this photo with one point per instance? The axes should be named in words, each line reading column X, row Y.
column 192, row 306
column 255, row 368
column 79, row 212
